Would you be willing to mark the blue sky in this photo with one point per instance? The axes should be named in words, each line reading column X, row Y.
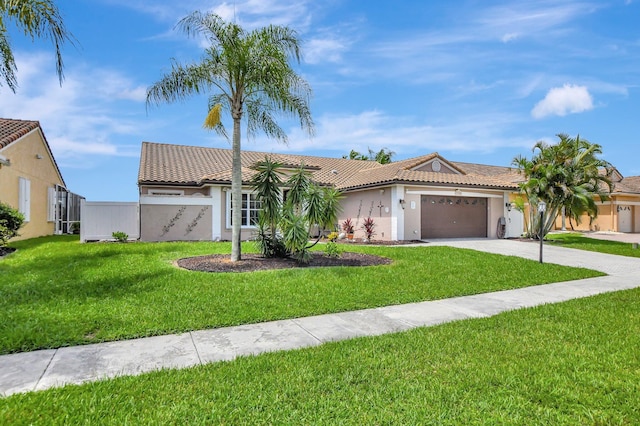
column 477, row 81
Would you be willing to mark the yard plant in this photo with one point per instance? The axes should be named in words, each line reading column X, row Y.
column 11, row 221
column 57, row 292
column 247, row 74
column 573, row 363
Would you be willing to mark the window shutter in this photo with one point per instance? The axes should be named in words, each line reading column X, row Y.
column 51, row 209
column 24, row 198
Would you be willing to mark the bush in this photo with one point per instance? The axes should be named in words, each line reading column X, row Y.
column 368, row 227
column 10, row 222
column 75, row 228
column 332, row 250
column 120, row 236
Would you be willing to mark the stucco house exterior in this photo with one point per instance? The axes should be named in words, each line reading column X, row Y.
column 31, row 182
column 185, row 194
column 620, row 213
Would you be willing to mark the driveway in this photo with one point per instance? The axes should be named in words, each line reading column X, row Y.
column 614, row 236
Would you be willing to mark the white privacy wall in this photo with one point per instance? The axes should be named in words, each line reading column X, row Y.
column 99, row 219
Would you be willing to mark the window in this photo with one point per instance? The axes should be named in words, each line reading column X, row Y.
column 250, row 209
column 24, row 198
column 166, row 192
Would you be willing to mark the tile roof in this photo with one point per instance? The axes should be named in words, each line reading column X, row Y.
column 190, row 165
column 628, row 185
column 12, row 130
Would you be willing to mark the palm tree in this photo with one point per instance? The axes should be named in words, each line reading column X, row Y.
column 568, row 174
column 249, row 75
column 37, row 19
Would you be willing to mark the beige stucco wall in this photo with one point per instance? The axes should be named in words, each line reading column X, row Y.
column 608, row 216
column 42, row 174
column 175, row 222
column 358, row 205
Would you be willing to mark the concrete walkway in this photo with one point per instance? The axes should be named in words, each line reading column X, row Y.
column 44, row 369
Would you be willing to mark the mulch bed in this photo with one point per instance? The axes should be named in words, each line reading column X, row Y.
column 6, row 250
column 254, row 262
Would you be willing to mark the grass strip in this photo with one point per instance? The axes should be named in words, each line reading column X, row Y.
column 579, row 241
column 57, row 292
column 570, row 363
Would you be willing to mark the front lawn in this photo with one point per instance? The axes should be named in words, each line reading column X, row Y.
column 579, row 241
column 573, row 363
column 57, row 292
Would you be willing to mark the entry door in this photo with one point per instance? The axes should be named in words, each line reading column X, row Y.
column 453, row 217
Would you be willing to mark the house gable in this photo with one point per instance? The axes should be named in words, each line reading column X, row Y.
column 437, row 165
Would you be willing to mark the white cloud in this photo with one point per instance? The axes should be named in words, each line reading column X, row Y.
column 82, row 117
column 568, row 99
column 375, row 129
column 509, row 37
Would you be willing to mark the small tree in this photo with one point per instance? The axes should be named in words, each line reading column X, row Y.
column 11, row 221
column 285, row 227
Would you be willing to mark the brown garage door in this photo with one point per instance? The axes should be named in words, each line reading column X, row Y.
column 453, row 217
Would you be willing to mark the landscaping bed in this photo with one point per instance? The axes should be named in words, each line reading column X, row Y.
column 255, row 262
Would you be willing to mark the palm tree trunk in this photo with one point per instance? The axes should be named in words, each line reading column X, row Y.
column 236, row 193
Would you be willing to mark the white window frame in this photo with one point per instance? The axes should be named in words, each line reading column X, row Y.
column 24, row 198
column 228, row 209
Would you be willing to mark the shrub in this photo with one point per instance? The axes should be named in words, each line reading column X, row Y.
column 347, row 226
column 10, row 222
column 75, row 228
column 333, row 236
column 120, row 236
column 332, row 249
column 368, row 227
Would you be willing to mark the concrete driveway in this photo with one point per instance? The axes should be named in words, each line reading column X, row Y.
column 614, row 236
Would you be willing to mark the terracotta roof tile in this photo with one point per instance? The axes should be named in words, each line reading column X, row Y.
column 12, row 130
column 181, row 164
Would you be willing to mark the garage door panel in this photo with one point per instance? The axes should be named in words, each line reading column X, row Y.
column 453, row 217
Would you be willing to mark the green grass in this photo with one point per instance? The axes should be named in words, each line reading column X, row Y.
column 579, row 241
column 571, row 363
column 56, row 292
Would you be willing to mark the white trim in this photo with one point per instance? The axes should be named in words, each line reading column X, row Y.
column 173, row 200
column 397, row 213
column 216, row 213
column 459, row 193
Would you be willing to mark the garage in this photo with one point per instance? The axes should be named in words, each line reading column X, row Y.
column 453, row 217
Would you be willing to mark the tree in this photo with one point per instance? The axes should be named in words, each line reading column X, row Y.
column 569, row 174
column 284, row 228
column 249, row 75
column 383, row 156
column 37, row 19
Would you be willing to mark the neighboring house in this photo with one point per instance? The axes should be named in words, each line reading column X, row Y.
column 30, row 180
column 620, row 213
column 185, row 194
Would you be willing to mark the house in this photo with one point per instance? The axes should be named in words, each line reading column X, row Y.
column 31, row 182
column 620, row 213
column 185, row 194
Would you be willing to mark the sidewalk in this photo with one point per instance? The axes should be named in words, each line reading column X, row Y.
column 44, row 369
